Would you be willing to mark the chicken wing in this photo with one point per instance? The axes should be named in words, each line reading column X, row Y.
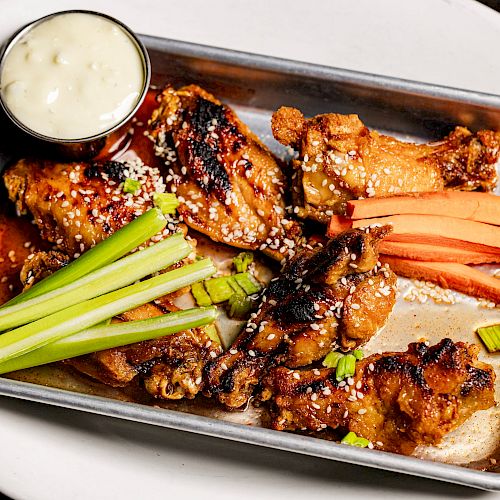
column 330, row 296
column 76, row 205
column 170, row 367
column 341, row 159
column 397, row 400
column 230, row 186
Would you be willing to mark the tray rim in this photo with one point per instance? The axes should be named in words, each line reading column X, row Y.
column 255, row 435
column 258, row 436
column 332, row 73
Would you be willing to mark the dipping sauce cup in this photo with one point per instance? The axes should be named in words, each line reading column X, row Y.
column 71, row 78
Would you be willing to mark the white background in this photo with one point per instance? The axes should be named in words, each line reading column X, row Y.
column 51, row 453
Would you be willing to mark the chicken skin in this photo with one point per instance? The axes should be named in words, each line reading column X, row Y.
column 341, row 159
column 335, row 295
column 170, row 367
column 230, row 186
column 396, row 400
column 76, row 205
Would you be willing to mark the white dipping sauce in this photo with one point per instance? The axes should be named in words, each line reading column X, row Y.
column 73, row 76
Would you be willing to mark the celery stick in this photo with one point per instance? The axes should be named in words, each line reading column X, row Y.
column 111, row 277
column 118, row 244
column 100, row 337
column 85, row 314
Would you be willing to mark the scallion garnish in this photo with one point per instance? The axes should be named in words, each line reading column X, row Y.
column 249, row 284
column 166, row 202
column 242, row 261
column 332, row 359
column 239, row 306
column 346, row 367
column 131, row 186
column 352, row 439
column 86, row 314
column 117, row 245
column 219, row 289
column 358, row 354
column 123, row 272
column 490, row 335
column 200, row 295
column 102, row 337
column 211, row 331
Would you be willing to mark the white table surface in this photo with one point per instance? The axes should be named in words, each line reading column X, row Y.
column 52, row 453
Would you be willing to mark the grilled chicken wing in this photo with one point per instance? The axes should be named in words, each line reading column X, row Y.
column 229, row 184
column 170, row 367
column 396, row 400
column 341, row 159
column 76, row 205
column 334, row 295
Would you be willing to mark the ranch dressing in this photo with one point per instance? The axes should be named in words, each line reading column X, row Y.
column 72, row 76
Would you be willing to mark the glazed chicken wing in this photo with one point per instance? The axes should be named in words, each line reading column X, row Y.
column 230, row 186
column 396, row 400
column 333, row 296
column 170, row 367
column 341, row 159
column 76, row 205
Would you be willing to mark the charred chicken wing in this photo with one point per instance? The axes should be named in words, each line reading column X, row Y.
column 170, row 367
column 76, row 205
column 397, row 400
column 341, row 159
column 230, row 186
column 335, row 295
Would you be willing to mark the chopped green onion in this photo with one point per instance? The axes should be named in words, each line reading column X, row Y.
column 123, row 272
column 346, row 367
column 239, row 306
column 242, row 261
column 85, row 314
column 358, row 354
column 118, row 244
column 166, row 202
column 211, row 331
column 102, row 337
column 200, row 295
column 352, row 439
column 332, row 359
column 248, row 283
column 131, row 185
column 219, row 289
column 490, row 335
column 234, row 285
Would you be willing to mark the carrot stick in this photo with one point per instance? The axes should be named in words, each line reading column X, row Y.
column 458, row 277
column 434, row 228
column 424, row 251
column 479, row 207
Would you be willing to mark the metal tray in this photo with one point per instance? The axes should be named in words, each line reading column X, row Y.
column 256, row 86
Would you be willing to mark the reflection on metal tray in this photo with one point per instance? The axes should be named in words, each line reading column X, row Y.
column 256, row 86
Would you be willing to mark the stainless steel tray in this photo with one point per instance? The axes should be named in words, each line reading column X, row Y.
column 256, row 86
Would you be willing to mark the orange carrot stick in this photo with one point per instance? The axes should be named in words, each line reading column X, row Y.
column 431, row 228
column 479, row 207
column 466, row 254
column 458, row 277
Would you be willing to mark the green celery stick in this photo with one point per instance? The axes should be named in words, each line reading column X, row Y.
column 117, row 245
column 106, row 279
column 102, row 337
column 85, row 314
